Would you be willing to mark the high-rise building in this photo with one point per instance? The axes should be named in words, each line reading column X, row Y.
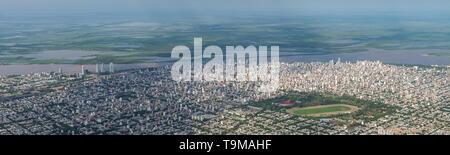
column 60, row 70
column 82, row 69
column 111, row 67
column 96, row 68
column 101, row 69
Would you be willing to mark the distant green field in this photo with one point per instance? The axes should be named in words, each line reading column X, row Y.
column 147, row 39
column 320, row 110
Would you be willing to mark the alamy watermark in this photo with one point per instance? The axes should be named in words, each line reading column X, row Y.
column 241, row 64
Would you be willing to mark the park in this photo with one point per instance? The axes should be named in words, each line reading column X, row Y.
column 323, row 110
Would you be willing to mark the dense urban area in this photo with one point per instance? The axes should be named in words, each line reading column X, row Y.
column 148, row 101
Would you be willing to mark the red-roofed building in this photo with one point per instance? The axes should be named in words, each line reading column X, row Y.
column 286, row 102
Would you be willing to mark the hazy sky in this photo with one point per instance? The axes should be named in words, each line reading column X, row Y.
column 125, row 6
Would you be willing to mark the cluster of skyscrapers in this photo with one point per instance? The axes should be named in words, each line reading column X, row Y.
column 98, row 68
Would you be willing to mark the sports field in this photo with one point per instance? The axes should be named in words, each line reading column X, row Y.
column 323, row 110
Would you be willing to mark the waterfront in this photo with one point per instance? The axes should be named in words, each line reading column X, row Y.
column 416, row 57
column 20, row 69
column 419, row 57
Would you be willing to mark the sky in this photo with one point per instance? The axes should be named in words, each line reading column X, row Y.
column 127, row 6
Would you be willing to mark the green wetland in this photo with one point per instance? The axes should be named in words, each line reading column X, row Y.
column 83, row 40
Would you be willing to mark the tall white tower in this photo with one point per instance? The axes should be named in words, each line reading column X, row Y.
column 82, row 69
column 96, row 68
column 111, row 67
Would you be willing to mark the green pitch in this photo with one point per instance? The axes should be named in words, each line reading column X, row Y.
column 320, row 110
